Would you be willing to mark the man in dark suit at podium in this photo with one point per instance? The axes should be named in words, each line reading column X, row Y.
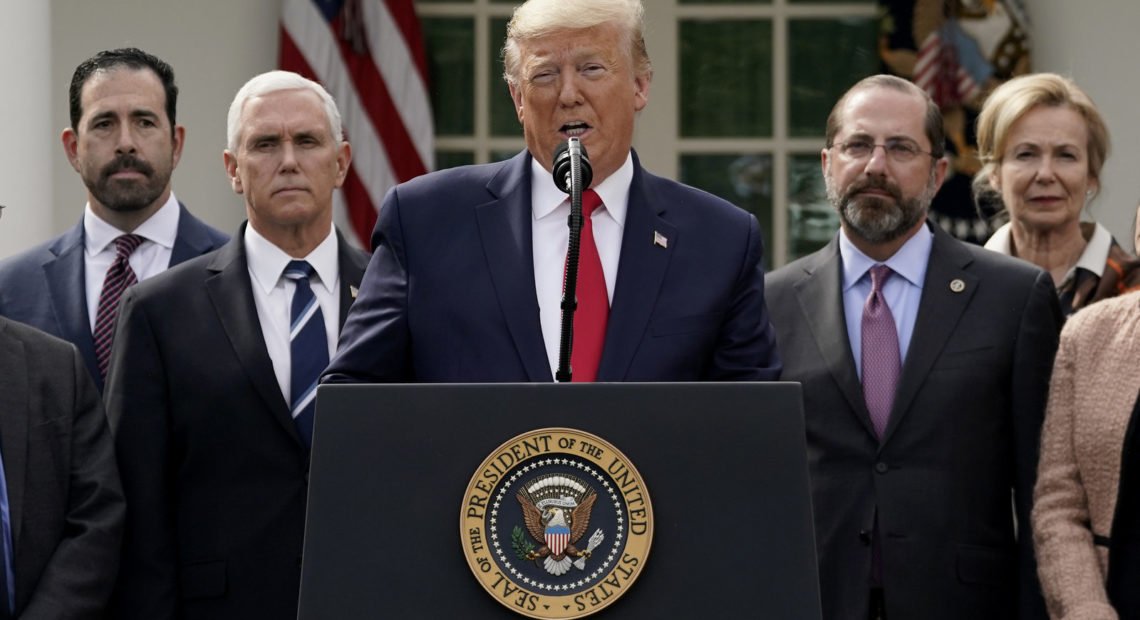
column 466, row 277
column 214, row 374
column 124, row 143
column 925, row 364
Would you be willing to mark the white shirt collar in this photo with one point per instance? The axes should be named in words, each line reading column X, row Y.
column 160, row 228
column 267, row 262
column 1000, row 241
column 1093, row 257
column 909, row 261
column 545, row 197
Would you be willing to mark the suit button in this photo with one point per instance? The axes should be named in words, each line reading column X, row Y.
column 865, row 537
column 881, row 467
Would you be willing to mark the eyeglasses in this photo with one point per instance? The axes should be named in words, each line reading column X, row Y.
column 899, row 150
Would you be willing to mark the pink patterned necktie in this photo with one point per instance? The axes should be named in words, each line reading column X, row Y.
column 593, row 301
column 119, row 277
column 881, row 360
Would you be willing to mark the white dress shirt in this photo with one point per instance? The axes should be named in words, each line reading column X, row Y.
column 550, row 235
column 902, row 291
column 152, row 257
column 273, row 296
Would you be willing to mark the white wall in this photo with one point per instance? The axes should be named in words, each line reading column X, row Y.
column 1095, row 44
column 25, row 178
column 215, row 45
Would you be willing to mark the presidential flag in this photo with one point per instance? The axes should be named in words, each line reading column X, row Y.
column 369, row 54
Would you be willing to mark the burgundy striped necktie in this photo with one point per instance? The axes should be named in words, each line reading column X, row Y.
column 118, row 278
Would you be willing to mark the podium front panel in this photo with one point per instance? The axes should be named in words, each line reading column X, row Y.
column 724, row 464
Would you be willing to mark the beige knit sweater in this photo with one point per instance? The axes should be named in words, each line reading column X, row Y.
column 1096, row 378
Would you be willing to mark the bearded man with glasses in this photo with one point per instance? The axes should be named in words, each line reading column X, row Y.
column 925, row 363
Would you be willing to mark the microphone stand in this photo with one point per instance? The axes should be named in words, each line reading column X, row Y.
column 570, row 278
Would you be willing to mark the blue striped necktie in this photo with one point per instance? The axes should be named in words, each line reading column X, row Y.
column 308, row 348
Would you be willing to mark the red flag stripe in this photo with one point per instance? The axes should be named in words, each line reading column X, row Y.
column 361, row 220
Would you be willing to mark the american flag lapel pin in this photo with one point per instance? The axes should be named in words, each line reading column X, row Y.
column 660, row 240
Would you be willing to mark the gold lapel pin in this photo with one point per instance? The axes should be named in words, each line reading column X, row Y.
column 660, row 240
column 352, row 291
column 957, row 285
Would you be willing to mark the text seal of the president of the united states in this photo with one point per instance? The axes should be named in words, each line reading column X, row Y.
column 556, row 523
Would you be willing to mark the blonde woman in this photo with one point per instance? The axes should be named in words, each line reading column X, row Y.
column 1043, row 144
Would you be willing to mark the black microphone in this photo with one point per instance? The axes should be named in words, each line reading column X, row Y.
column 564, row 155
column 572, row 174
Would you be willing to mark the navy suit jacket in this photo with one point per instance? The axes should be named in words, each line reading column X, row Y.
column 449, row 295
column 961, row 440
column 44, row 287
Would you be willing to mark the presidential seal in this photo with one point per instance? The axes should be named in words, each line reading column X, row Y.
column 556, row 523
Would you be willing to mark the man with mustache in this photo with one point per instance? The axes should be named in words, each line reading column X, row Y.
column 925, row 364
column 124, row 143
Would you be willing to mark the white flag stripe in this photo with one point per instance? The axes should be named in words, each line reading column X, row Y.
column 398, row 68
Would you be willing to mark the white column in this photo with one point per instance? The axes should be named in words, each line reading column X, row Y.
column 27, row 139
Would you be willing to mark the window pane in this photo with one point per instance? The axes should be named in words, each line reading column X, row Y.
column 451, row 159
column 726, row 78
column 451, row 68
column 812, row 221
column 504, row 121
column 744, row 179
column 826, row 56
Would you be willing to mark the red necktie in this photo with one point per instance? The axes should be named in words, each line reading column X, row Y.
column 593, row 301
column 119, row 277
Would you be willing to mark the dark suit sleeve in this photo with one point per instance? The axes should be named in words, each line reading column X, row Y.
column 746, row 347
column 137, row 407
column 374, row 344
column 1032, row 366
column 79, row 576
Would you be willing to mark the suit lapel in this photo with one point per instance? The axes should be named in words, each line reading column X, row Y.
column 351, row 264
column 505, row 230
column 67, row 287
column 641, row 271
column 820, row 296
column 938, row 316
column 230, row 292
column 192, row 239
column 14, row 425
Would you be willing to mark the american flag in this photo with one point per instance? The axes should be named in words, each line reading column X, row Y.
column 369, row 54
